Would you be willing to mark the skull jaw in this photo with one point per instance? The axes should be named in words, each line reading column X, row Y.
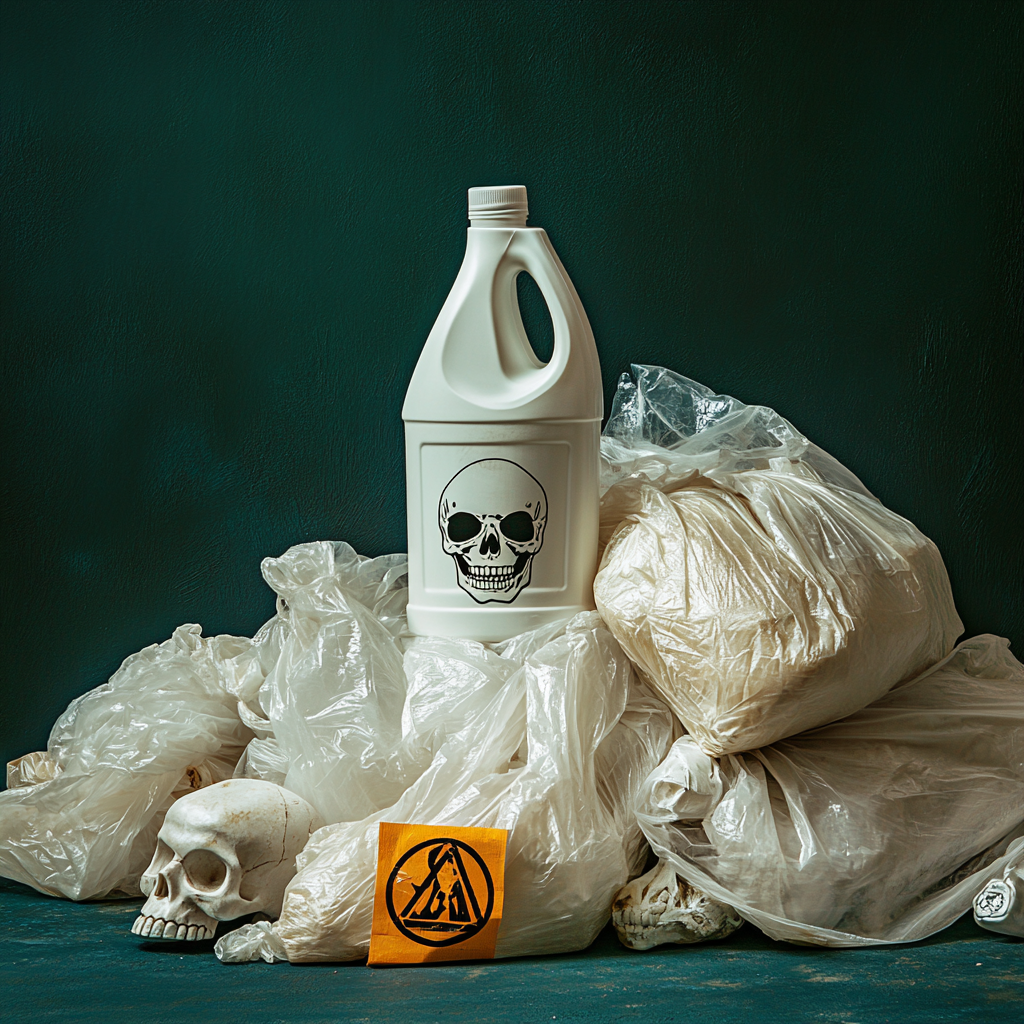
column 183, row 918
column 173, row 919
column 660, row 907
column 487, row 589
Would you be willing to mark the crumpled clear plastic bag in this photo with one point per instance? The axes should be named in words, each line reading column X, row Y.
column 82, row 819
column 548, row 735
column 879, row 828
column 332, row 701
column 751, row 578
column 354, row 708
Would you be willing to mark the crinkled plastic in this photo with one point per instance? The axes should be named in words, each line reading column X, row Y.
column 83, row 821
column 751, row 578
column 548, row 735
column 333, row 699
column 879, row 828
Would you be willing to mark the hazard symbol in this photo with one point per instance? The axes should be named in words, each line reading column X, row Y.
column 440, row 890
column 443, row 907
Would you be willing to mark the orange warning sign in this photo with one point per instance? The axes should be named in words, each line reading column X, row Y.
column 439, row 893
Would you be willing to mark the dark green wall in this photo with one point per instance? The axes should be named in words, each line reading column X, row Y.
column 228, row 227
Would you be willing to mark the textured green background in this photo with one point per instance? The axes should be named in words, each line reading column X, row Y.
column 228, row 227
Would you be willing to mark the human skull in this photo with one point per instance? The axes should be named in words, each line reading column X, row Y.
column 660, row 907
column 999, row 906
column 492, row 516
column 223, row 851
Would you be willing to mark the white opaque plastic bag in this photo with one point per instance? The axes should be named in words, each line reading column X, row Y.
column 754, row 581
column 878, row 828
column 549, row 736
column 165, row 724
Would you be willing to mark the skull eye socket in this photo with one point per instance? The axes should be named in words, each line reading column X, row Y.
column 205, row 870
column 518, row 527
column 462, row 526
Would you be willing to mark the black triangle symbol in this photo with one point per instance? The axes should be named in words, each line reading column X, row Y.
column 444, row 900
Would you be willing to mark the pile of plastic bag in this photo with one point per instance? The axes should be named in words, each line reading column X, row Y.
column 754, row 581
column 762, row 591
column 548, row 735
column 749, row 582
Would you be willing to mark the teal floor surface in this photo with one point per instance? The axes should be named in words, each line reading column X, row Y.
column 65, row 962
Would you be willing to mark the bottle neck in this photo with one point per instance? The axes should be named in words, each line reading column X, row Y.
column 501, row 220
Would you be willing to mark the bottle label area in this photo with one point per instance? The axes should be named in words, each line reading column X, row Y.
column 499, row 511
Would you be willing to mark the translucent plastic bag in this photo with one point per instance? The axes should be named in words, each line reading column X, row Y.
column 333, row 699
column 81, row 820
column 354, row 708
column 550, row 736
column 879, row 828
column 751, row 578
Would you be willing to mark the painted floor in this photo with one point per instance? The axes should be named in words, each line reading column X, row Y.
column 62, row 962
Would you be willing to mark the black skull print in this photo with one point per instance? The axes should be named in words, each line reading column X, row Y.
column 492, row 516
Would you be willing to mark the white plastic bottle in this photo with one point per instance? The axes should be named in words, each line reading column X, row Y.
column 502, row 450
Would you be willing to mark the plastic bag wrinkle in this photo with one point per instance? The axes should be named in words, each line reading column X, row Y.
column 335, row 695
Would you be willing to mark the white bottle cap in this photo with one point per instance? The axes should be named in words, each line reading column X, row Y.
column 501, row 204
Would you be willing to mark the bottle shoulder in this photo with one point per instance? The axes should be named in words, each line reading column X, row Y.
column 478, row 365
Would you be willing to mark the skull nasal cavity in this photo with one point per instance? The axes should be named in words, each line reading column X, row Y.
column 490, row 544
column 160, row 889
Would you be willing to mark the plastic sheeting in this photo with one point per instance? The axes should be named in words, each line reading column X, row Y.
column 550, row 736
column 879, row 828
column 84, row 824
column 753, row 580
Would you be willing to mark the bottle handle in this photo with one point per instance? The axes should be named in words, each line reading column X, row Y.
column 530, row 252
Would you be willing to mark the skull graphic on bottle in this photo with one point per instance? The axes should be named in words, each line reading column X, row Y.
column 492, row 515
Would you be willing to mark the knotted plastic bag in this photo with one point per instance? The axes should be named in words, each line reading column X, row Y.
column 999, row 905
column 879, row 828
column 549, row 736
column 751, row 578
column 81, row 820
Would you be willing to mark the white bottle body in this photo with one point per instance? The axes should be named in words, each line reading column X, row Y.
column 502, row 451
column 562, row 456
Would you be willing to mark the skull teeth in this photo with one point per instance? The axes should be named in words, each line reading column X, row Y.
column 158, row 928
column 659, row 907
column 492, row 577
